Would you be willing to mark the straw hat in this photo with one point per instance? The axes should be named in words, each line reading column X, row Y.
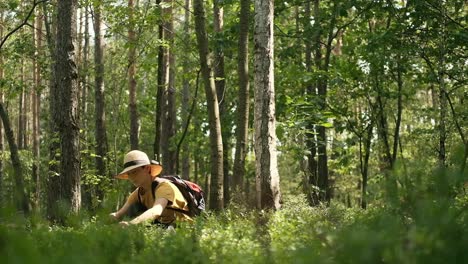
column 135, row 159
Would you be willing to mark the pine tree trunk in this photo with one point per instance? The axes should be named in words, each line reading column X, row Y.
column 216, row 142
column 134, row 119
column 101, row 132
column 267, row 177
column 244, row 98
column 65, row 115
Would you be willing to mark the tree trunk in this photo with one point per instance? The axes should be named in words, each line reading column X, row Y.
column 2, row 147
column 163, row 80
column 36, row 109
column 65, row 114
column 364, row 164
column 100, row 130
column 21, row 109
column 186, row 91
column 267, row 177
column 169, row 104
column 20, row 196
column 311, row 91
column 134, row 119
column 243, row 95
column 216, row 142
column 54, row 191
column 220, row 83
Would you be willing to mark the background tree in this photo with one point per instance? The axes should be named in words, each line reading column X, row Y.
column 65, row 110
column 243, row 97
column 267, row 177
column 217, row 178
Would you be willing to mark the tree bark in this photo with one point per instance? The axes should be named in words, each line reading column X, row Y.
column 244, row 97
column 20, row 195
column 220, row 83
column 2, row 146
column 65, row 114
column 169, row 100
column 101, row 131
column 267, row 177
column 186, row 92
column 163, row 80
column 132, row 87
column 36, row 110
column 311, row 140
column 216, row 142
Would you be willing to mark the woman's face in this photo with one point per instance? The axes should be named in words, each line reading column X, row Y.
column 138, row 176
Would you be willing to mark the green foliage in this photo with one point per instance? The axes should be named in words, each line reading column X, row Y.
column 428, row 224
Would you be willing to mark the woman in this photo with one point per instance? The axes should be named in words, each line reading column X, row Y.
column 159, row 202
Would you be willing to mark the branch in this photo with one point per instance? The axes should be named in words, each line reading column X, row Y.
column 188, row 121
column 25, row 22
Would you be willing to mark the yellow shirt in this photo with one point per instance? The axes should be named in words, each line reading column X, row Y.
column 175, row 200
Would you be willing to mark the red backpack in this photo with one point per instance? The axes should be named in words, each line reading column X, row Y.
column 191, row 191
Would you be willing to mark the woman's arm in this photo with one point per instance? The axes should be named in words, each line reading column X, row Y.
column 152, row 213
column 122, row 211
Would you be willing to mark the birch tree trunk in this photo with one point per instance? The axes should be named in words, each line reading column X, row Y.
column 267, row 177
column 220, row 83
column 243, row 95
column 216, row 142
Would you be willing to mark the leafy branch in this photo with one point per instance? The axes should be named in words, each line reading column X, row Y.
column 25, row 22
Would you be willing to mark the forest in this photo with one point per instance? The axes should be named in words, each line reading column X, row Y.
column 321, row 131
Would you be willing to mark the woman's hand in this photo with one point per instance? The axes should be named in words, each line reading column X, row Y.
column 124, row 223
column 113, row 216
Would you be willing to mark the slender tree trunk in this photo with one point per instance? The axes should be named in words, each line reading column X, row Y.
column 36, row 109
column 132, row 87
column 85, row 92
column 267, row 177
column 100, row 130
column 163, row 80
column 21, row 109
column 169, row 104
column 216, row 142
column 2, row 147
column 20, row 195
column 66, row 88
column 220, row 83
column 186, row 91
column 243, row 95
column 364, row 163
column 442, row 130
column 311, row 91
column 54, row 191
column 396, row 134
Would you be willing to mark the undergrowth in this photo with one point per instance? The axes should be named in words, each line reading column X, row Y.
column 424, row 222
